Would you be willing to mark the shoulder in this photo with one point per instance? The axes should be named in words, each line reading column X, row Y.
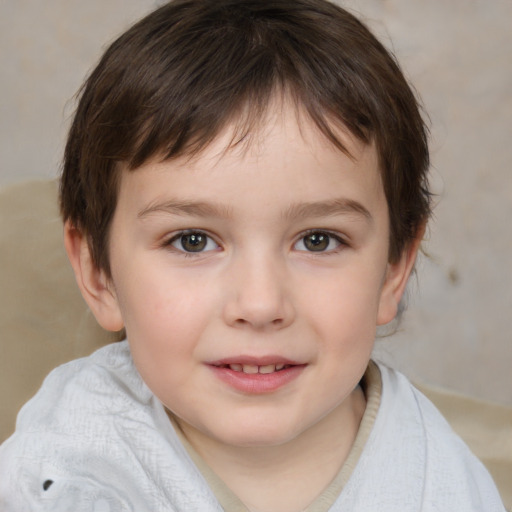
column 413, row 460
column 451, row 475
column 85, row 397
column 95, row 437
column 105, row 381
column 66, row 426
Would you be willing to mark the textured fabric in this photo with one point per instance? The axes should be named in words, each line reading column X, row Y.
column 486, row 428
column 413, row 461
column 99, row 441
column 95, row 439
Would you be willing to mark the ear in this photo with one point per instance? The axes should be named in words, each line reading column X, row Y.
column 96, row 288
column 397, row 275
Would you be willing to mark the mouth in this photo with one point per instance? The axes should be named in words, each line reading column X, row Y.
column 252, row 369
column 257, row 375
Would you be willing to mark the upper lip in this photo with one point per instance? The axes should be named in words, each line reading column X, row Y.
column 255, row 360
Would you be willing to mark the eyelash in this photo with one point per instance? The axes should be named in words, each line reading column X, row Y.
column 188, row 232
column 342, row 243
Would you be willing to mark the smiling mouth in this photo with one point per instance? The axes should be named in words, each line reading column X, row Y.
column 252, row 369
column 257, row 376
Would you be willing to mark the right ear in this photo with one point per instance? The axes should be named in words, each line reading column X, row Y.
column 97, row 289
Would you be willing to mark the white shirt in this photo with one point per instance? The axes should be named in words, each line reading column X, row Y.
column 95, row 439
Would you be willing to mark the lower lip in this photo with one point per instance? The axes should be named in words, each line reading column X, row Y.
column 257, row 383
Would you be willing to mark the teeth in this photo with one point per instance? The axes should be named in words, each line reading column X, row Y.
column 253, row 369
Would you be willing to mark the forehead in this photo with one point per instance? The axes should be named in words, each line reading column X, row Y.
column 284, row 160
column 284, row 120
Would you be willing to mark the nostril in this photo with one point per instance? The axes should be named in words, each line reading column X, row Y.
column 47, row 484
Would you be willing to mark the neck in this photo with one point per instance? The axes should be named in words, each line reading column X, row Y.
column 293, row 474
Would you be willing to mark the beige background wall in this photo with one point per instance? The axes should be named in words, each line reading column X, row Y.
column 456, row 332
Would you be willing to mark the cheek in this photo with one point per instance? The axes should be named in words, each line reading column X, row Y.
column 166, row 319
column 345, row 304
column 164, row 328
column 345, row 322
column 162, row 300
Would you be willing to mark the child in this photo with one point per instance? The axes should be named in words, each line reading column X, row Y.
column 244, row 192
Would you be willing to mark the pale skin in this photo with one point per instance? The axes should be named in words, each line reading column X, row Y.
column 275, row 250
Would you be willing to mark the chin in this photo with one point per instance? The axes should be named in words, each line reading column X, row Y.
column 257, row 435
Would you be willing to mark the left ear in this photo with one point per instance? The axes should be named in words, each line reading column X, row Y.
column 397, row 275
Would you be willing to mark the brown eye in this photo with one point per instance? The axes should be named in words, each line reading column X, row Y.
column 319, row 241
column 193, row 241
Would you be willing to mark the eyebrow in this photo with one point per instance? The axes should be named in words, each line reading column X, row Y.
column 340, row 206
column 196, row 209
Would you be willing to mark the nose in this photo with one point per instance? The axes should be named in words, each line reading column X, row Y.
column 259, row 295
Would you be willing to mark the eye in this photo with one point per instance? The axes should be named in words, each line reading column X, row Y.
column 318, row 241
column 193, row 241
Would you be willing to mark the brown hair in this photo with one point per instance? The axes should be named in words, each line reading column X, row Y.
column 172, row 82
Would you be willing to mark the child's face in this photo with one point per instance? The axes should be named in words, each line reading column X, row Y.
column 269, row 256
